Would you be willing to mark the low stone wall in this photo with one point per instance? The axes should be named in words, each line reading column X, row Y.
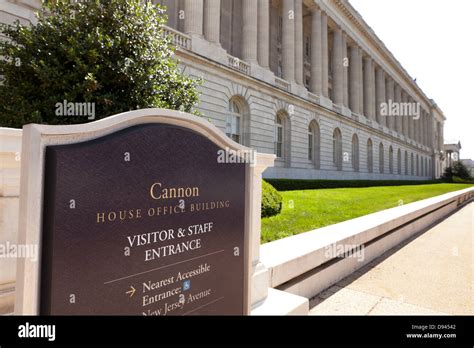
column 10, row 149
column 311, row 262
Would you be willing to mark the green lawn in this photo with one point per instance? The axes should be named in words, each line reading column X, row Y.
column 309, row 209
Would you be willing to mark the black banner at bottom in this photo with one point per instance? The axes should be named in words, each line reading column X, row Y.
column 419, row 330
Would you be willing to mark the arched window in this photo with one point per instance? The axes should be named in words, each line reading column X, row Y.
column 370, row 157
column 355, row 153
column 381, row 158
column 399, row 162
column 234, row 121
column 314, row 144
column 390, row 159
column 406, row 162
column 337, row 149
column 412, row 164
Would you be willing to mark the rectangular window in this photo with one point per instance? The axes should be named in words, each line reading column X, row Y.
column 310, row 147
column 279, row 141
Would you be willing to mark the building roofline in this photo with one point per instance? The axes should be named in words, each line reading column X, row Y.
column 356, row 18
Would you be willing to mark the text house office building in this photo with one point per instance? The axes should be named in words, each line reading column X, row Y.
column 307, row 80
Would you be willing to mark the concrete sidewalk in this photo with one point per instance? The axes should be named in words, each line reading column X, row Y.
column 432, row 273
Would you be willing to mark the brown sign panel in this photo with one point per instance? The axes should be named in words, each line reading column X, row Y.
column 144, row 221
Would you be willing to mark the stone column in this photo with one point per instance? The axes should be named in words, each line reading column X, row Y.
column 403, row 99
column 374, row 92
column 325, row 58
column 249, row 30
column 354, row 84
column 390, row 97
column 417, row 127
column 212, row 20
column 432, row 130
column 172, row 10
column 429, row 142
column 412, row 123
column 380, row 94
column 345, row 72
column 360, row 82
column 422, row 126
column 431, row 138
column 288, row 41
column 264, row 33
column 337, row 68
column 299, row 42
column 368, row 88
column 431, row 125
column 427, row 129
column 409, row 119
column 316, row 52
column 423, row 129
column 194, row 13
column 398, row 98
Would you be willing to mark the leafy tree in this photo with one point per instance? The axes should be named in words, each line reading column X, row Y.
column 459, row 170
column 111, row 53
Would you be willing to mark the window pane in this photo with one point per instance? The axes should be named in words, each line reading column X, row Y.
column 228, row 125
column 235, row 125
column 279, row 149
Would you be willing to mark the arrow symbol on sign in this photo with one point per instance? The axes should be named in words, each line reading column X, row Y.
column 131, row 291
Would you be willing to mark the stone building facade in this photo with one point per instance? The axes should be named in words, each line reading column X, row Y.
column 307, row 80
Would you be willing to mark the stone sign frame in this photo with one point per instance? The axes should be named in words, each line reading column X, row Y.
column 37, row 137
